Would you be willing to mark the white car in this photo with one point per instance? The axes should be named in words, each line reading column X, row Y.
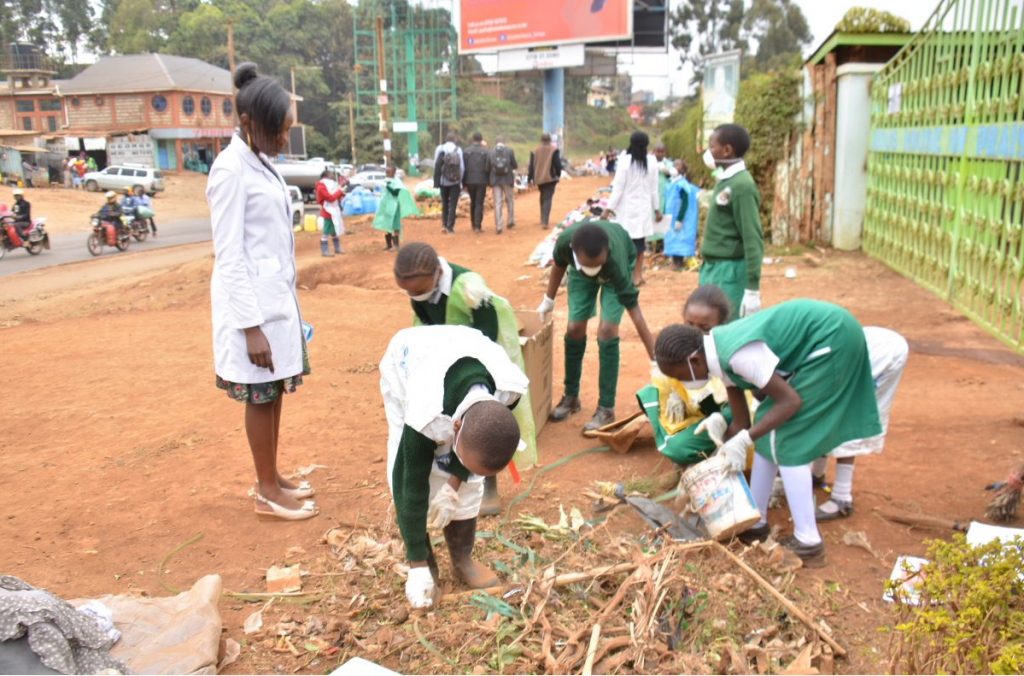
column 371, row 180
column 298, row 205
column 117, row 177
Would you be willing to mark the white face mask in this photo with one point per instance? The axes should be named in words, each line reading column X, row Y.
column 588, row 270
column 695, row 383
column 709, row 160
column 424, row 297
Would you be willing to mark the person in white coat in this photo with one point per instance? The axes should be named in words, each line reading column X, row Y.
column 634, row 200
column 258, row 347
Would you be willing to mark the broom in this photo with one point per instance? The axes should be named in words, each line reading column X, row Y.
column 1003, row 505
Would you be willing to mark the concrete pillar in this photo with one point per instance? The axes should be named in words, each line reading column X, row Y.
column 853, row 130
column 554, row 103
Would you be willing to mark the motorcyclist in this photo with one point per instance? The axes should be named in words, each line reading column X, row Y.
column 22, row 211
column 142, row 200
column 111, row 211
column 128, row 204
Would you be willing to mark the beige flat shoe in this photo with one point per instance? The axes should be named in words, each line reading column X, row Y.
column 307, row 511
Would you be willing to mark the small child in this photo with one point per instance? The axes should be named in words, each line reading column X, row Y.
column 680, row 205
column 395, row 204
column 447, row 392
column 733, row 245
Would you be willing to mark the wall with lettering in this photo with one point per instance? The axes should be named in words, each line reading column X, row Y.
column 1004, row 141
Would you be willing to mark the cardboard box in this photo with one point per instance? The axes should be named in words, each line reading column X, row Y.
column 538, row 355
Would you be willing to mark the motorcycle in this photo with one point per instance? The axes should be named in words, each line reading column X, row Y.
column 137, row 221
column 33, row 241
column 105, row 233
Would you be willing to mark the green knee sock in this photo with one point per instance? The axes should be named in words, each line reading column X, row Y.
column 608, row 375
column 574, row 350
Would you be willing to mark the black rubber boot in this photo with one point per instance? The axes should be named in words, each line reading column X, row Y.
column 459, row 536
column 323, row 248
column 337, row 244
column 491, row 504
column 387, row 238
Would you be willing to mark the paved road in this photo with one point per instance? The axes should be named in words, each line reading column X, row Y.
column 71, row 247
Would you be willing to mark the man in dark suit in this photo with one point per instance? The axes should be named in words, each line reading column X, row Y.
column 477, row 178
column 503, row 178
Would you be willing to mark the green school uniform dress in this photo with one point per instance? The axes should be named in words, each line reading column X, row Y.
column 614, row 283
column 823, row 355
column 733, row 245
column 494, row 318
column 684, row 447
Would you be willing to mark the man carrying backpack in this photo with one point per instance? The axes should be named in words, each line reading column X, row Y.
column 545, row 171
column 448, row 171
column 503, row 178
column 478, row 172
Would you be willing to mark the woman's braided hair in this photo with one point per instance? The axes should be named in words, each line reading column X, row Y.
column 416, row 259
column 675, row 343
column 713, row 297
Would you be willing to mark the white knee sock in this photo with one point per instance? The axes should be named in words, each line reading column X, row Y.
column 842, row 489
column 762, row 475
column 800, row 496
column 819, row 466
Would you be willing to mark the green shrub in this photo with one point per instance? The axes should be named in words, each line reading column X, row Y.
column 971, row 614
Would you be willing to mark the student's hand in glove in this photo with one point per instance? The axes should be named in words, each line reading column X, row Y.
column 675, row 410
column 545, row 307
column 419, row 587
column 716, row 426
column 735, row 451
column 751, row 302
column 442, row 507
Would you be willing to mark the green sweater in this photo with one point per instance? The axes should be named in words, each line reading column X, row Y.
column 617, row 269
column 733, row 229
column 410, row 478
column 485, row 318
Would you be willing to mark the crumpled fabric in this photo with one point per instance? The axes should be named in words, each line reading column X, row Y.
column 64, row 639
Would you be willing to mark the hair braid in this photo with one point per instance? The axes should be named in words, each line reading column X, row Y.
column 416, row 259
column 712, row 297
column 677, row 342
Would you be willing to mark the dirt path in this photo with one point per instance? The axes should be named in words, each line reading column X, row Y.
column 118, row 446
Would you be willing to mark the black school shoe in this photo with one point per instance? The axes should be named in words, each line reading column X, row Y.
column 813, row 556
column 565, row 408
column 755, row 534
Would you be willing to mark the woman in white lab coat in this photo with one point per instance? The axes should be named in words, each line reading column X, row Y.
column 634, row 202
column 258, row 347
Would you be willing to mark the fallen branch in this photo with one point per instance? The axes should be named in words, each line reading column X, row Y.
column 925, row 521
column 786, row 603
column 595, row 636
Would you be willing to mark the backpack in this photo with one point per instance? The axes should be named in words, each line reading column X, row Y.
column 451, row 167
column 501, row 160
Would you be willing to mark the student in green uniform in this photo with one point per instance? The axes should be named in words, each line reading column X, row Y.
column 599, row 256
column 733, row 244
column 445, row 293
column 395, row 204
column 809, row 360
column 447, row 392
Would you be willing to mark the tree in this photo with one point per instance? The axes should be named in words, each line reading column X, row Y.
column 704, row 27
column 780, row 30
column 864, row 20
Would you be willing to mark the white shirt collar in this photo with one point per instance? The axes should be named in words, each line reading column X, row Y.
column 733, row 170
column 711, row 354
column 444, row 285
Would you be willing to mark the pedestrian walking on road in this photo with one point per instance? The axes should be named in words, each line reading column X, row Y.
column 545, row 171
column 503, row 178
column 477, row 177
column 449, row 168
column 634, row 199
column 259, row 350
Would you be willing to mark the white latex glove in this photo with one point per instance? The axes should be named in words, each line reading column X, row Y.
column 735, row 451
column 656, row 373
column 751, row 303
column 675, row 410
column 716, row 426
column 545, row 307
column 442, row 507
column 678, row 227
column 419, row 587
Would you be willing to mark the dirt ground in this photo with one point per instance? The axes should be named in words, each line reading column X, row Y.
column 68, row 210
column 118, row 447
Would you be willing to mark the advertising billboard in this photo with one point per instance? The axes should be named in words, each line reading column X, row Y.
column 496, row 25
column 720, row 88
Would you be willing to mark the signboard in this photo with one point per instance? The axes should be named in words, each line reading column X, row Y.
column 134, row 149
column 719, row 91
column 1003, row 141
column 406, row 127
column 382, row 100
column 895, row 98
column 497, row 25
column 541, row 58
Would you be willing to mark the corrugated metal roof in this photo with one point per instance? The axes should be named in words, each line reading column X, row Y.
column 146, row 73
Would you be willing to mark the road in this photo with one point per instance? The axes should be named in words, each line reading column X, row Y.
column 70, row 248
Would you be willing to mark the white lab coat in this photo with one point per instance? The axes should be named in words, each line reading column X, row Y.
column 635, row 196
column 253, row 282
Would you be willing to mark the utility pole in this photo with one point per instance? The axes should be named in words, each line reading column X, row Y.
column 382, row 99
column 231, row 48
column 295, row 105
column 352, row 128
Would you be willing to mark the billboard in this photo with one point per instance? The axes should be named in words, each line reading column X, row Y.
column 720, row 88
column 496, row 25
column 541, row 58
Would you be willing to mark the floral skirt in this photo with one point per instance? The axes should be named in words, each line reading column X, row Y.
column 265, row 393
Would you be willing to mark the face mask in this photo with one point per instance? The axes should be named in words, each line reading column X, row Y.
column 695, row 383
column 588, row 270
column 424, row 297
column 455, row 445
column 709, row 160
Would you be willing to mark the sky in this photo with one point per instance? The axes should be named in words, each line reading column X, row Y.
column 660, row 73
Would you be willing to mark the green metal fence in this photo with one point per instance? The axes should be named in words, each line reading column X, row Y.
column 945, row 201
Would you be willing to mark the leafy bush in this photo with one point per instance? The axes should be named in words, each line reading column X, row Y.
column 971, row 614
column 864, row 20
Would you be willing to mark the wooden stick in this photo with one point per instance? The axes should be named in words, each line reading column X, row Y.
column 786, row 603
column 925, row 521
column 588, row 666
column 615, row 423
